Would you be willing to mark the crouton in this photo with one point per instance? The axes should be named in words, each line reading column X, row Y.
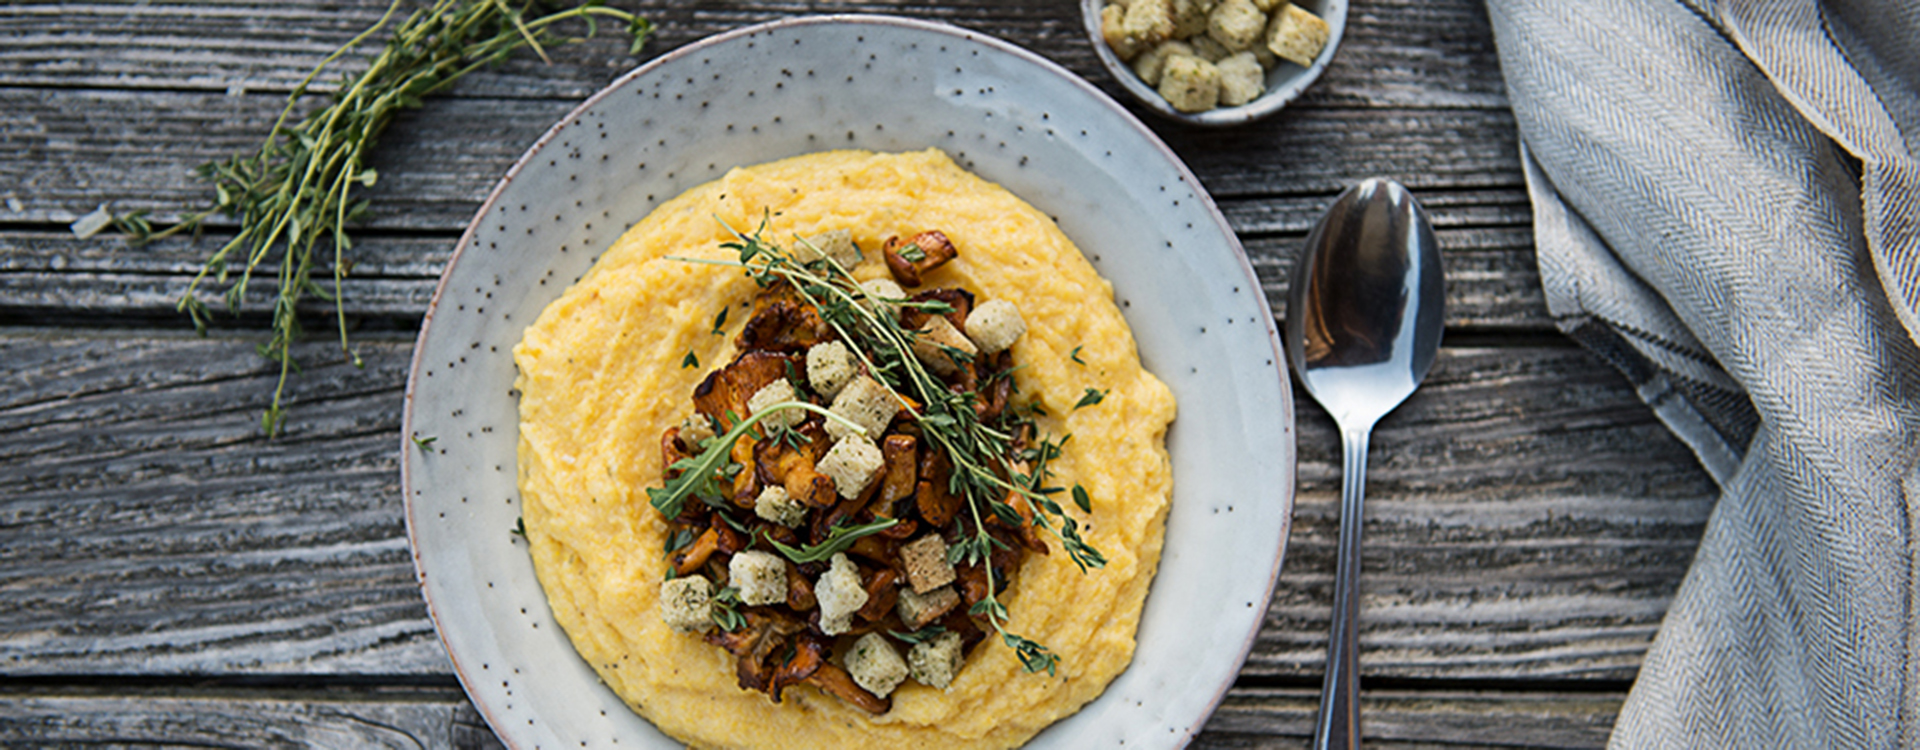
column 686, row 604
column 1296, row 35
column 695, row 429
column 875, row 665
column 761, row 577
column 829, row 366
column 773, row 393
column 839, row 595
column 836, row 244
column 1190, row 84
column 1205, row 48
column 934, row 662
column 1147, row 64
column 1241, row 79
column 1190, row 17
column 1267, row 6
column 995, row 324
column 882, row 296
column 925, row 560
column 1113, row 30
column 932, row 342
column 865, row 402
column 919, row 610
column 777, row 506
column 1149, row 22
column 852, row 463
column 1236, row 24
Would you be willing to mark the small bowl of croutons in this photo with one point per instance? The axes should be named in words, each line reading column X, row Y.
column 1215, row 62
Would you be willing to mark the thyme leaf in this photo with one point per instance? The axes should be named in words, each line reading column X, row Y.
column 296, row 195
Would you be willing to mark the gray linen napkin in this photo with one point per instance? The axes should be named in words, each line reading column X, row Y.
column 1727, row 207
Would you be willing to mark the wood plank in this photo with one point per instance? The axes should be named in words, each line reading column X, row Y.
column 441, row 718
column 150, row 528
column 1283, row 718
column 1492, row 281
column 139, row 150
column 1529, row 520
column 414, row 718
column 1424, row 53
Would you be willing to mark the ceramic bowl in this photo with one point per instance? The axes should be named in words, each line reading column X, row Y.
column 1284, row 82
column 797, row 86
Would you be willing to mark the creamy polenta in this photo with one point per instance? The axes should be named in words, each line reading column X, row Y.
column 609, row 365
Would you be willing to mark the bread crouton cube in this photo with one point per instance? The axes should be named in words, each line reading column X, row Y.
column 1148, row 64
column 1241, row 79
column 773, row 393
column 925, row 560
column 875, row 665
column 994, row 325
column 883, row 296
column 1190, row 17
column 686, row 604
column 1113, row 30
column 1149, row 22
column 829, row 366
column 839, row 594
column 1296, row 35
column 852, row 463
column 935, row 342
column 1236, row 24
column 934, row 662
column 1205, row 48
column 760, row 577
column 776, row 506
column 836, row 244
column 1190, row 84
column 695, row 429
column 865, row 402
column 918, row 610
column 1267, row 6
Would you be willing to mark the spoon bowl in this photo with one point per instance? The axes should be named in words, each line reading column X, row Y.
column 1363, row 325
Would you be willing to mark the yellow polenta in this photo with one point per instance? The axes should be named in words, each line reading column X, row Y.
column 602, row 376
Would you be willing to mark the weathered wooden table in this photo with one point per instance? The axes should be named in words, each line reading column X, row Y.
column 168, row 575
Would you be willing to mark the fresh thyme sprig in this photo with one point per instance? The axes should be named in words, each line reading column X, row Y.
column 699, row 474
column 983, row 471
column 296, row 195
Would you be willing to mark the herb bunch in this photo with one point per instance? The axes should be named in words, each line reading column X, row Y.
column 296, row 195
column 988, row 467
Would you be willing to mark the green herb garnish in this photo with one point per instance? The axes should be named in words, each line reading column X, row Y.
column 1090, row 398
column 296, row 195
column 983, row 468
column 837, row 541
column 725, row 613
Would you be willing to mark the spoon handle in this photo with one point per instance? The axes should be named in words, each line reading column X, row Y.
column 1338, row 727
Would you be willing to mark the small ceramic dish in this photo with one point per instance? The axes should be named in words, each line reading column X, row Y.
column 886, row 84
column 1284, row 81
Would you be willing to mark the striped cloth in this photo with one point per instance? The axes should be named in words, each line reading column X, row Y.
column 1727, row 207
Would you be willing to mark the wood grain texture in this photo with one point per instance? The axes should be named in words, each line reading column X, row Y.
column 1492, row 280
column 1528, row 519
column 441, row 719
column 1283, row 718
column 418, row 719
column 151, row 529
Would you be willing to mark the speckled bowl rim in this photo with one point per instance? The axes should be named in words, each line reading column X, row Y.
column 1284, row 84
column 1283, row 455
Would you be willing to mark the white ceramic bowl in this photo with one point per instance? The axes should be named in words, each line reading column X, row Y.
column 803, row 85
column 1284, row 82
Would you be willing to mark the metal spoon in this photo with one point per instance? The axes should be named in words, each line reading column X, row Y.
column 1363, row 325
